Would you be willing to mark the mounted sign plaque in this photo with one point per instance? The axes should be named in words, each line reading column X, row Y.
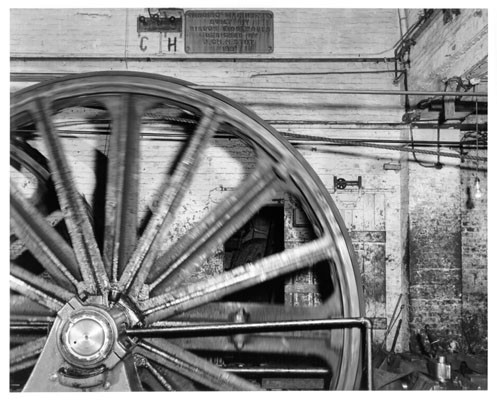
column 238, row 32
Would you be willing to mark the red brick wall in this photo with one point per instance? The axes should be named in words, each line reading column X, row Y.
column 435, row 251
column 474, row 257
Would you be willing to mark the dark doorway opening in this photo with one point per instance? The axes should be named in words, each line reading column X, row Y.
column 261, row 236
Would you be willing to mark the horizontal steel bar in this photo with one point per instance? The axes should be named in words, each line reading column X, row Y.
column 347, row 72
column 279, row 371
column 41, row 77
column 180, row 137
column 339, row 91
column 229, row 58
column 251, row 327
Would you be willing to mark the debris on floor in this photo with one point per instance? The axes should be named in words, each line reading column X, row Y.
column 410, row 371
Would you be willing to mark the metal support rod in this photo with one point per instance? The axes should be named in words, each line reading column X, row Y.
column 179, row 136
column 258, row 327
column 388, row 92
column 339, row 91
column 238, row 328
column 278, row 371
column 391, row 320
column 369, row 351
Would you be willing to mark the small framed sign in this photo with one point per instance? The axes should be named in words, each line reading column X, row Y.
column 229, row 32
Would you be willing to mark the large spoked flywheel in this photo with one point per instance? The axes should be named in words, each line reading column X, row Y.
column 116, row 282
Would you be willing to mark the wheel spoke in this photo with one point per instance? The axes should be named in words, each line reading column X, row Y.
column 34, row 292
column 255, row 312
column 282, row 344
column 170, row 199
column 71, row 203
column 22, row 308
column 216, row 287
column 29, row 327
column 323, row 344
column 38, row 289
column 177, row 382
column 28, row 319
column 142, row 362
column 212, row 333
column 17, row 247
column 22, row 365
column 121, row 199
column 43, row 241
column 24, row 356
column 17, row 154
column 202, row 241
column 193, row 367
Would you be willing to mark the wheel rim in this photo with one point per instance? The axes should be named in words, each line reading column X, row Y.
column 130, row 281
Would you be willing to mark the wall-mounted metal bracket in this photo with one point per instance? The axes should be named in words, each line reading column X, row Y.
column 341, row 183
column 392, row 166
column 161, row 20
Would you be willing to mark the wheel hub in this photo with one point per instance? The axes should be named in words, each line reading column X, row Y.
column 87, row 337
column 89, row 334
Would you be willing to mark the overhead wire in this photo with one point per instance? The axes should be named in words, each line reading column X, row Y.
column 425, row 165
column 385, row 147
column 312, row 138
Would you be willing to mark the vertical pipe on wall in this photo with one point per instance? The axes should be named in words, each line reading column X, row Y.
column 126, row 37
column 403, row 25
column 403, row 274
